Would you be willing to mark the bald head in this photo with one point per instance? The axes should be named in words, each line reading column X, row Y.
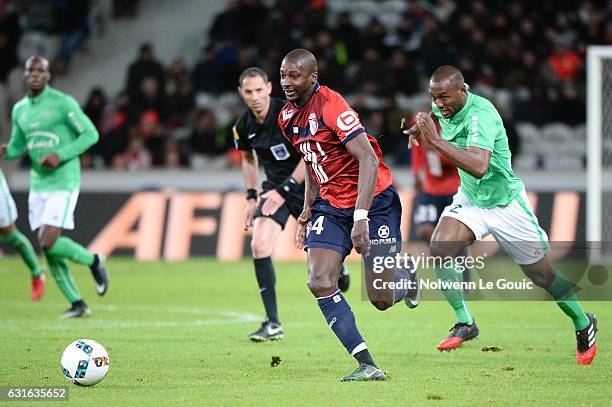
column 448, row 90
column 447, row 73
column 303, row 59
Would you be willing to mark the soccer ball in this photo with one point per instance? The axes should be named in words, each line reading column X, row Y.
column 85, row 362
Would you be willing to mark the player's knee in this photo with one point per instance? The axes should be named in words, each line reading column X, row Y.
column 44, row 243
column 321, row 286
column 381, row 305
column 261, row 248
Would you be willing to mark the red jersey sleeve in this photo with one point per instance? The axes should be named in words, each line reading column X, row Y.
column 417, row 159
column 341, row 119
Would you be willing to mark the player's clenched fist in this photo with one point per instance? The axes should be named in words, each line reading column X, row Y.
column 426, row 126
column 360, row 237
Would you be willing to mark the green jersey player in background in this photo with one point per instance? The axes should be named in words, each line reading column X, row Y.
column 491, row 199
column 12, row 237
column 51, row 127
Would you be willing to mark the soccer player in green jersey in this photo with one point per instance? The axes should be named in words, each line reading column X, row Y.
column 12, row 237
column 491, row 199
column 54, row 131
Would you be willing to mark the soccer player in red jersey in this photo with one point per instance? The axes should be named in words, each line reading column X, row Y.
column 349, row 201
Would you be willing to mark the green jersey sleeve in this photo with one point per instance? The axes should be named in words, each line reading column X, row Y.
column 17, row 143
column 86, row 132
column 482, row 128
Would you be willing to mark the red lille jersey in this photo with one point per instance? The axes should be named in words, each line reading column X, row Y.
column 441, row 177
column 319, row 131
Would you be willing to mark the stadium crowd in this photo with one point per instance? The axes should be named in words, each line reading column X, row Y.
column 528, row 57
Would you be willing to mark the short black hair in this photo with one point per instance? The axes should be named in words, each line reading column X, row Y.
column 251, row 72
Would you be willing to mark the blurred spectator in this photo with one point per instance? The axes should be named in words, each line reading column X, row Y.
column 137, row 156
column 95, row 106
column 565, row 63
column 74, row 25
column 146, row 66
column 349, row 36
column 175, row 156
column 176, row 74
column 404, row 74
column 569, row 108
column 207, row 73
column 153, row 134
column 180, row 105
column 205, row 141
column 125, row 8
column 114, row 131
column 150, row 97
column 226, row 25
column 371, row 72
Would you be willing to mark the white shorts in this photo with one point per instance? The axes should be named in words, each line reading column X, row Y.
column 54, row 208
column 515, row 226
column 8, row 210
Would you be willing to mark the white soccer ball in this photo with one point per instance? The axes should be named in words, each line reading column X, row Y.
column 85, row 362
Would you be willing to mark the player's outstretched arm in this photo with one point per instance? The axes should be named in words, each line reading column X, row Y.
column 249, row 172
column 361, row 149
column 474, row 160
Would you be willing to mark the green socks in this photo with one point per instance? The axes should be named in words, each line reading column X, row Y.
column 562, row 291
column 19, row 242
column 455, row 297
column 67, row 248
column 63, row 278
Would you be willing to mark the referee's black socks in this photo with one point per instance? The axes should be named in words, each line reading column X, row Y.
column 266, row 278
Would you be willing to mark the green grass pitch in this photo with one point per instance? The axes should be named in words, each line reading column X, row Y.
column 177, row 335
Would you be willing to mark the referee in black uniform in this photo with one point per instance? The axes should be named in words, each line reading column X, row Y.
column 257, row 135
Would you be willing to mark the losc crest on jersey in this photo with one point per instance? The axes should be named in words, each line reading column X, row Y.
column 313, row 123
column 347, row 121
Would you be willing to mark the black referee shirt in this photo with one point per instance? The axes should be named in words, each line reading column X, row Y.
column 275, row 153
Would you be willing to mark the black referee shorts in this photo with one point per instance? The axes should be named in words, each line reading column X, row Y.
column 293, row 206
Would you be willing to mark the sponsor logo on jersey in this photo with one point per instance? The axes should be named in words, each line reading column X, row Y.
column 348, row 121
column 383, row 231
column 42, row 140
column 474, row 128
column 388, row 240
